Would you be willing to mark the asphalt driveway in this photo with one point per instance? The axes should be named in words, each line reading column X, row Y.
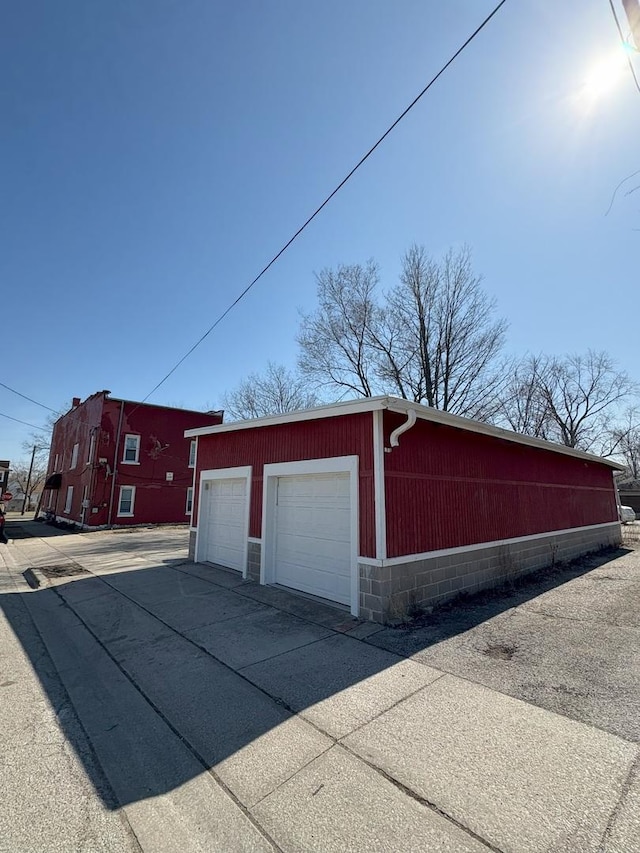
column 568, row 641
column 208, row 713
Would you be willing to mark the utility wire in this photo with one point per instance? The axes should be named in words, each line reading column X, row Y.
column 327, row 200
column 39, row 428
column 623, row 181
column 30, row 399
column 624, row 43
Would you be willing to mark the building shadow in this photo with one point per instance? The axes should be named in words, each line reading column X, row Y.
column 175, row 670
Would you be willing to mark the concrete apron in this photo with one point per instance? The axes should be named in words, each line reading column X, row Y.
column 229, row 716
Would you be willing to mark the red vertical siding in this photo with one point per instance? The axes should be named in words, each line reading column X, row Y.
column 447, row 487
column 163, row 448
column 314, row 439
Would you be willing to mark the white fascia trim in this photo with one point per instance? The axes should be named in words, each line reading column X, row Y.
column 242, row 472
column 395, row 404
column 378, row 485
column 334, row 465
column 479, row 546
column 350, row 407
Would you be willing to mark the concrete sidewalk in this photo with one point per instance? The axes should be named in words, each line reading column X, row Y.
column 207, row 713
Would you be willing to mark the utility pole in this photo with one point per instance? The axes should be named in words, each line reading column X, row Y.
column 26, row 491
column 632, row 10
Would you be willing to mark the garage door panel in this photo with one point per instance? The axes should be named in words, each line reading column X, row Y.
column 323, row 584
column 313, row 535
column 322, row 524
column 314, row 551
column 224, row 515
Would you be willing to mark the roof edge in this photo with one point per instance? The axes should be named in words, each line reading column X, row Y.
column 396, row 404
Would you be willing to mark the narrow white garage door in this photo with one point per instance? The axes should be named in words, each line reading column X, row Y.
column 313, row 535
column 223, row 520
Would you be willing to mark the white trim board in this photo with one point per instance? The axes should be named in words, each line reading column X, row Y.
column 479, row 546
column 333, row 465
column 379, row 503
column 243, row 472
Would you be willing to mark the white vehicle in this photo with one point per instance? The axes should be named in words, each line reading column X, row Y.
column 627, row 514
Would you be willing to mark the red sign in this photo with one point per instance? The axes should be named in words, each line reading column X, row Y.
column 7, row 496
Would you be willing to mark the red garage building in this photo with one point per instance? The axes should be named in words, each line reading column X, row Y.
column 116, row 462
column 385, row 505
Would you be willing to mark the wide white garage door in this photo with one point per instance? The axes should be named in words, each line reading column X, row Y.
column 223, row 522
column 313, row 535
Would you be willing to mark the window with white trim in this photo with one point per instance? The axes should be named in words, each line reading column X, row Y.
column 74, row 455
column 131, row 449
column 189, row 506
column 126, row 500
column 69, row 501
column 92, row 447
column 192, row 452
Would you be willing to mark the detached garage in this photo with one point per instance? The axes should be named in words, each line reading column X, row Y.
column 384, row 505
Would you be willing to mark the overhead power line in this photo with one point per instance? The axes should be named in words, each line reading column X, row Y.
column 26, row 423
column 30, row 399
column 327, row 200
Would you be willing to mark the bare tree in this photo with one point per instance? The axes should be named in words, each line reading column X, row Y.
column 446, row 339
column 335, row 340
column 19, row 474
column 574, row 400
column 276, row 391
column 523, row 407
column 432, row 339
column 582, row 393
column 625, row 442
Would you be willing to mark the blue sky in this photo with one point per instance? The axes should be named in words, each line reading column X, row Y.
column 156, row 154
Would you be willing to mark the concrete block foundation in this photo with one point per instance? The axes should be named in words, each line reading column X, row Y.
column 253, row 561
column 392, row 592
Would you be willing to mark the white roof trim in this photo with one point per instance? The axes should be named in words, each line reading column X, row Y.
column 395, row 404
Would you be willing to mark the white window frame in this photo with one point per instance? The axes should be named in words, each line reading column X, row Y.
column 92, row 447
column 68, row 504
column 192, row 452
column 124, row 460
column 129, row 514
column 74, row 455
column 331, row 465
column 189, row 503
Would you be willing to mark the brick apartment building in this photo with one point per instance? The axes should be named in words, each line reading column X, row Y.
column 117, row 462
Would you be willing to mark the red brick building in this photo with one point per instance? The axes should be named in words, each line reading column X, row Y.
column 384, row 505
column 117, row 462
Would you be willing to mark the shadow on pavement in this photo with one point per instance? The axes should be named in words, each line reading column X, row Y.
column 173, row 671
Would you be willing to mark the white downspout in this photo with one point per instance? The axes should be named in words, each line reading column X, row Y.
column 395, row 435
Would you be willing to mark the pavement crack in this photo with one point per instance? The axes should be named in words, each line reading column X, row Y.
column 409, row 792
column 634, row 772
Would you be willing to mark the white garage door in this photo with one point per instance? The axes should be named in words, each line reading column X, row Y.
column 313, row 535
column 223, row 522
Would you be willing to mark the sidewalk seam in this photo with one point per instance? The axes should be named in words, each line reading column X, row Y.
column 209, row 770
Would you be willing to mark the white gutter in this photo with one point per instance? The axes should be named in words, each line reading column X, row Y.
column 395, row 435
column 395, row 404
